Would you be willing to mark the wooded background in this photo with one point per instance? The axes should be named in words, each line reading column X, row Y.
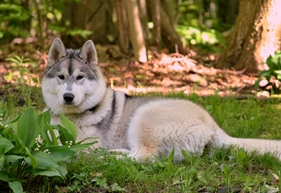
column 243, row 32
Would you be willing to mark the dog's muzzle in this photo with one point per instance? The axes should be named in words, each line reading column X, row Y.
column 68, row 98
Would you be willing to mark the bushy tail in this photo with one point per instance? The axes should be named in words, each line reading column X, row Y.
column 260, row 146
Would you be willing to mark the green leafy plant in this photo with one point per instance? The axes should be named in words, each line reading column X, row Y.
column 30, row 146
column 20, row 65
column 270, row 79
column 14, row 18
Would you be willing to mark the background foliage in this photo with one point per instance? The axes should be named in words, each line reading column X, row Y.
column 195, row 21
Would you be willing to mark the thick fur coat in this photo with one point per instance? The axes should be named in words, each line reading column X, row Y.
column 144, row 128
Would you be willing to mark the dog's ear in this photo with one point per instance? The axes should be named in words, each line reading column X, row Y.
column 89, row 54
column 57, row 51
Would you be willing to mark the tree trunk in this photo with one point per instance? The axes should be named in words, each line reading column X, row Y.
column 227, row 10
column 99, row 21
column 169, row 33
column 156, row 19
column 135, row 31
column 95, row 16
column 41, row 29
column 255, row 35
column 143, row 18
column 168, row 7
column 123, row 39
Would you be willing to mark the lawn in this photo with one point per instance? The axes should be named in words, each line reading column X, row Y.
column 231, row 170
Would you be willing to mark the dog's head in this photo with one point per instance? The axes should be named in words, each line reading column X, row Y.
column 73, row 81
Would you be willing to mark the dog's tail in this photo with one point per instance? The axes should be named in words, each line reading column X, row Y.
column 259, row 146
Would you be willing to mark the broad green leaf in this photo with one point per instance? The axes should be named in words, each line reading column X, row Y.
column 5, row 145
column 31, row 159
column 4, row 177
column 14, row 119
column 277, row 71
column 62, row 168
column 270, row 63
column 276, row 60
column 44, row 120
column 16, row 186
column 28, row 127
column 44, row 123
column 64, row 135
column 265, row 73
column 53, row 136
column 10, row 159
column 82, row 146
column 61, row 153
column 44, row 160
column 6, row 131
column 2, row 162
column 48, row 172
column 69, row 126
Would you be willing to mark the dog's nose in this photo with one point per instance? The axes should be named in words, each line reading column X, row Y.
column 68, row 97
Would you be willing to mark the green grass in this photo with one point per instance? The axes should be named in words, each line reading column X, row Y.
column 226, row 171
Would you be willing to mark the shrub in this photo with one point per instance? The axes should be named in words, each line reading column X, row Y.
column 30, row 146
column 270, row 79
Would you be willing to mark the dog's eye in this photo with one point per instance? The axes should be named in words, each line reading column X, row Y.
column 61, row 77
column 79, row 77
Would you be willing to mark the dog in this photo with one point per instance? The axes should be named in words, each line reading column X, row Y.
column 142, row 127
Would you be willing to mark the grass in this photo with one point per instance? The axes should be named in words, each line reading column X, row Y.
column 226, row 171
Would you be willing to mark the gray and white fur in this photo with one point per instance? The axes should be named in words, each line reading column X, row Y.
column 144, row 128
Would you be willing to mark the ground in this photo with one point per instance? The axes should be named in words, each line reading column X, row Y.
column 192, row 73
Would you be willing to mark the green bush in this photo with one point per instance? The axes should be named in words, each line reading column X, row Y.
column 270, row 79
column 30, row 146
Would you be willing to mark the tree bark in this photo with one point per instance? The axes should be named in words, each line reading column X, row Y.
column 156, row 19
column 41, row 29
column 123, row 39
column 169, row 33
column 227, row 10
column 168, row 7
column 95, row 16
column 255, row 35
column 143, row 18
column 99, row 21
column 135, row 31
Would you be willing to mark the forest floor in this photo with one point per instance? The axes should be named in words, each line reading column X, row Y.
column 165, row 73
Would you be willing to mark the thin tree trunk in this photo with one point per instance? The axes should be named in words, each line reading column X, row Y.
column 255, row 35
column 37, row 4
column 123, row 39
column 168, row 7
column 169, row 33
column 144, row 19
column 94, row 16
column 135, row 31
column 156, row 19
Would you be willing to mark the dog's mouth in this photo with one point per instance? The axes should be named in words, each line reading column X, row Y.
column 68, row 104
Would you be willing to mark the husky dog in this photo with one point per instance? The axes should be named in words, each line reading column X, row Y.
column 144, row 128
